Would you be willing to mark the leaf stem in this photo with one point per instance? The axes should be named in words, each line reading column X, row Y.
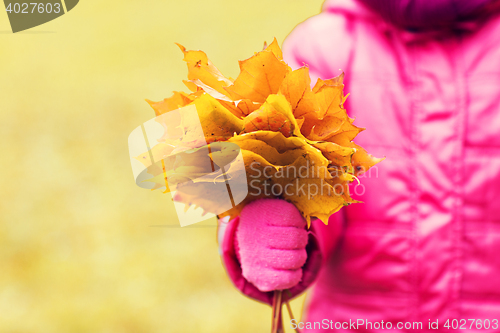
column 289, row 308
column 277, row 326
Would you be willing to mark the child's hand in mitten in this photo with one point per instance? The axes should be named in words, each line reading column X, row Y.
column 271, row 241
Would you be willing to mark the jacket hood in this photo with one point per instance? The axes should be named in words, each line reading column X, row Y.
column 418, row 14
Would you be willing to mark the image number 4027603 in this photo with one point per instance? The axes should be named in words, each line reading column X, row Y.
column 26, row 14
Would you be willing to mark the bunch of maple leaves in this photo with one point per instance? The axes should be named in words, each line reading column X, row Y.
column 278, row 122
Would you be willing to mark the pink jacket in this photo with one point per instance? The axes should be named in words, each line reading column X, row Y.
column 425, row 244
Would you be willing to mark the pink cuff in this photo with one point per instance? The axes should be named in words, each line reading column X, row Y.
column 230, row 260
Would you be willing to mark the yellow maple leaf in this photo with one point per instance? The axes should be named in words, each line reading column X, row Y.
column 274, row 115
column 296, row 87
column 201, row 68
column 217, row 122
column 177, row 100
column 274, row 48
column 242, row 107
column 361, row 160
column 260, row 76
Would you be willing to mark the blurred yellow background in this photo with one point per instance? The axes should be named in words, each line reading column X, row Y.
column 82, row 248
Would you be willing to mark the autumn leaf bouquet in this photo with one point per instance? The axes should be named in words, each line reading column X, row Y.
column 265, row 134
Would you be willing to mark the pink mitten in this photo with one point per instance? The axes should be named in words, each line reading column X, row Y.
column 271, row 241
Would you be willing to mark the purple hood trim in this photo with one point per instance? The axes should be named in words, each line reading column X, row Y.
column 423, row 14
